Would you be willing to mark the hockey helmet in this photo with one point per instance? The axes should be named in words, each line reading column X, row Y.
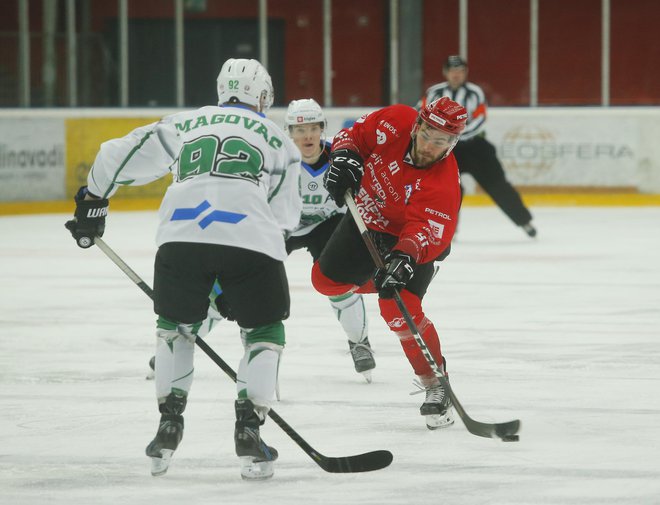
column 305, row 111
column 245, row 81
column 444, row 114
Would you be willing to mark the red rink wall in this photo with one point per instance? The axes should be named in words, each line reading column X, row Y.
column 569, row 69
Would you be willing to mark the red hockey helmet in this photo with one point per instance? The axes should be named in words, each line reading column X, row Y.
column 444, row 114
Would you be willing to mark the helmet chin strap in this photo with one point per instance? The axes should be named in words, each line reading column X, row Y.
column 413, row 137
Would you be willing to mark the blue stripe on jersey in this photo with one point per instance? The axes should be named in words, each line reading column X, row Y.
column 222, row 216
column 315, row 173
column 187, row 214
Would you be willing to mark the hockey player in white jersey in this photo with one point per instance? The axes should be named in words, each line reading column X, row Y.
column 307, row 127
column 233, row 198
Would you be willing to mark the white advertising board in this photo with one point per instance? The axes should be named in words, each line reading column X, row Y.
column 558, row 148
column 32, row 157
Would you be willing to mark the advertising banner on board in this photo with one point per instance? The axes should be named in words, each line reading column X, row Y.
column 32, row 159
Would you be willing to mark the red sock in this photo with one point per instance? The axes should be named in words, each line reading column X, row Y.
column 397, row 324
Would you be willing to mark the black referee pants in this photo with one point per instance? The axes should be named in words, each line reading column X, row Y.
column 478, row 158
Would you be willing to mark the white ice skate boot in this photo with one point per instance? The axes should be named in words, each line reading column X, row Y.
column 437, row 407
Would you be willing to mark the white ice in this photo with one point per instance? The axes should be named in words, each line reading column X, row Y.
column 562, row 332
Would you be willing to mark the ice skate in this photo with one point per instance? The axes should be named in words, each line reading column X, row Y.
column 162, row 447
column 363, row 357
column 437, row 408
column 151, row 374
column 255, row 456
column 529, row 229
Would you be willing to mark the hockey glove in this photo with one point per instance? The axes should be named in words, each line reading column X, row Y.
column 399, row 269
column 88, row 219
column 345, row 173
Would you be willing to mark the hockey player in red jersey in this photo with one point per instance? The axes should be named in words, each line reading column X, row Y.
column 398, row 164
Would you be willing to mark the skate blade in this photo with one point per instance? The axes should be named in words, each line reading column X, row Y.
column 160, row 465
column 439, row 421
column 256, row 470
column 367, row 376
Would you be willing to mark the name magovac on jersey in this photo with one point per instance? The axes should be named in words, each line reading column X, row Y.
column 246, row 122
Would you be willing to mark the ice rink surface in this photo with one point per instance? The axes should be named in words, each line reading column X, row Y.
column 562, row 332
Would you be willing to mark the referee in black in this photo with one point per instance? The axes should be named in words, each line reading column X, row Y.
column 474, row 154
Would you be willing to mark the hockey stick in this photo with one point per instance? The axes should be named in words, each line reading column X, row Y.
column 366, row 462
column 504, row 431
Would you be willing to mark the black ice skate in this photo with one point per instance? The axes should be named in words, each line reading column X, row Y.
column 437, row 408
column 151, row 374
column 169, row 434
column 161, row 448
column 256, row 457
column 363, row 357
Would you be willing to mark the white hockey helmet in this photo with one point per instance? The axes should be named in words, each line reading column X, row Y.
column 305, row 111
column 245, row 81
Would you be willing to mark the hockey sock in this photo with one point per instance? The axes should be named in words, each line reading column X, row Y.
column 397, row 324
column 351, row 314
column 257, row 372
column 174, row 358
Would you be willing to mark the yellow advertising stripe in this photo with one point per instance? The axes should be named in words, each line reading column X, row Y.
column 539, row 200
column 574, row 199
column 67, row 206
column 84, row 136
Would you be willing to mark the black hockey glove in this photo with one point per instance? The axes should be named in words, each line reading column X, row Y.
column 88, row 219
column 399, row 269
column 345, row 173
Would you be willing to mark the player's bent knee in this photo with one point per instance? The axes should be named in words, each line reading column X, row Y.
column 266, row 334
column 326, row 286
column 169, row 330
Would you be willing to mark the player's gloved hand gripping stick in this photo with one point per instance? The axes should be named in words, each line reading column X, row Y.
column 88, row 219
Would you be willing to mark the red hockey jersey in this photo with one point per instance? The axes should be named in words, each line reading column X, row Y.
column 418, row 205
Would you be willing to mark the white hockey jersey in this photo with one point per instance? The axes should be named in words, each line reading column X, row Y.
column 318, row 205
column 235, row 177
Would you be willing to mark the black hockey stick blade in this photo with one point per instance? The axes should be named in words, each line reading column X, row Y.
column 507, row 431
column 367, row 462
